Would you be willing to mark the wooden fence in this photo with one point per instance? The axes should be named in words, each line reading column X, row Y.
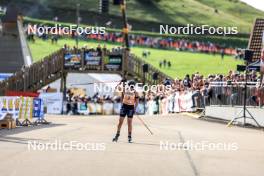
column 36, row 76
column 52, row 67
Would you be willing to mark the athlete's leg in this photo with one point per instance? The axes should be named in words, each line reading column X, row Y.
column 120, row 123
column 123, row 113
column 129, row 124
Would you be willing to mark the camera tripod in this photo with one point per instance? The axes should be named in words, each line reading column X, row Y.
column 244, row 111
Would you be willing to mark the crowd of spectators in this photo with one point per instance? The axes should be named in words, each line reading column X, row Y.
column 77, row 103
column 217, row 86
column 203, row 90
column 166, row 43
column 147, row 41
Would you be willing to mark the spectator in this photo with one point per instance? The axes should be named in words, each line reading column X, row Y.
column 164, row 62
column 160, row 64
column 169, row 64
column 187, row 81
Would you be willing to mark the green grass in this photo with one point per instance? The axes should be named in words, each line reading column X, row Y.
column 182, row 62
column 185, row 62
column 230, row 12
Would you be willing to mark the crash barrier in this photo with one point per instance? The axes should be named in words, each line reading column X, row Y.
column 232, row 94
column 24, row 110
column 54, row 66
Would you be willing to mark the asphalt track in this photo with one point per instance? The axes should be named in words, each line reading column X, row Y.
column 11, row 57
column 143, row 157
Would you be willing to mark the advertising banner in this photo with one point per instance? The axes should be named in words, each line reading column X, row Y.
column 92, row 58
column 91, row 107
column 185, row 102
column 117, row 107
column 4, row 76
column 9, row 105
column 72, row 60
column 52, row 102
column 113, row 62
column 26, row 108
column 21, row 107
column 38, row 108
column 108, row 108
column 83, row 108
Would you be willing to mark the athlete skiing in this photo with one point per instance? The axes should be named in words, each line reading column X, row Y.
column 129, row 104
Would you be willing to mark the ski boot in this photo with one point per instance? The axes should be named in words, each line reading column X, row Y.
column 129, row 139
column 115, row 139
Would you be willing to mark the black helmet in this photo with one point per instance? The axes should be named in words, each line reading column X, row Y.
column 131, row 82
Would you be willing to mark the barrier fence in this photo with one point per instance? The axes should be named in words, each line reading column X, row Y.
column 178, row 102
column 234, row 94
column 24, row 110
column 222, row 94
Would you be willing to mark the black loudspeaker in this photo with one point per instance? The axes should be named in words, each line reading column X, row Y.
column 155, row 76
column 241, row 68
column 117, row 2
column 248, row 55
column 145, row 68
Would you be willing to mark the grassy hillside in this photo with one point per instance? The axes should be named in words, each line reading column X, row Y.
column 178, row 12
column 182, row 62
column 235, row 41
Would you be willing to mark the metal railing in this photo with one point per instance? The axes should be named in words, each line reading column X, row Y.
column 234, row 94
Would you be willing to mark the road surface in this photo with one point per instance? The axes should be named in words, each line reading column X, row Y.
column 243, row 155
